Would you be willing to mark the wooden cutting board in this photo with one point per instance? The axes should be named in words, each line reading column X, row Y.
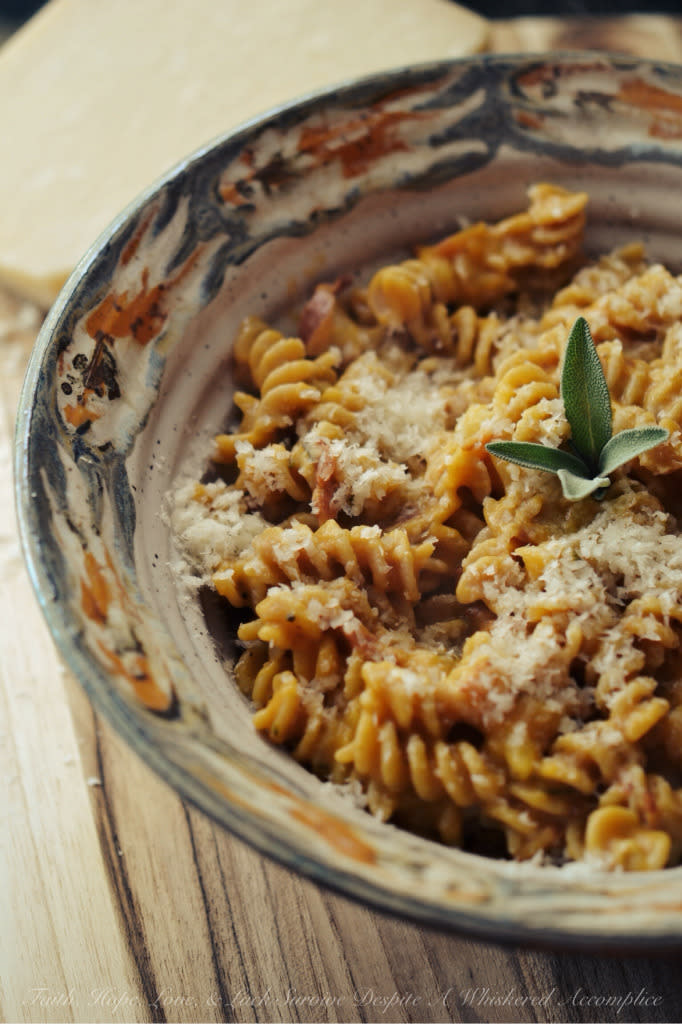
column 120, row 903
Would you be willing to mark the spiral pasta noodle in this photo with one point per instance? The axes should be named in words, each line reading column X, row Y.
column 296, row 553
column 489, row 664
column 480, row 264
column 287, row 380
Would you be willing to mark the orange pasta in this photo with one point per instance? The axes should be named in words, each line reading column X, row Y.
column 488, row 663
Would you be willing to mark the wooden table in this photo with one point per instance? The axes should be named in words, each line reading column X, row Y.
column 119, row 902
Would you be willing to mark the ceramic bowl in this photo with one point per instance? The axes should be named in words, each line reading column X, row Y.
column 130, row 378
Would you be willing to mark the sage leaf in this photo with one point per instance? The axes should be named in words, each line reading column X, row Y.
column 587, row 405
column 538, row 456
column 627, row 444
column 585, row 395
column 577, row 487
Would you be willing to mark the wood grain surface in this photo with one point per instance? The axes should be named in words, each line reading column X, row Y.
column 118, row 902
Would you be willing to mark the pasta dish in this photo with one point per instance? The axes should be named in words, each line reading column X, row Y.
column 477, row 658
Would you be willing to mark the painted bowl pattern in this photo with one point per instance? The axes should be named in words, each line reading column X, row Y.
column 130, row 378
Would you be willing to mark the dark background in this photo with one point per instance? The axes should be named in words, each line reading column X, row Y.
column 517, row 8
column 18, row 10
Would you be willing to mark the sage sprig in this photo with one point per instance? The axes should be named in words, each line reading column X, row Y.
column 596, row 451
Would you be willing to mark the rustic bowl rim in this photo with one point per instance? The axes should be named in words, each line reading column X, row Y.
column 467, row 921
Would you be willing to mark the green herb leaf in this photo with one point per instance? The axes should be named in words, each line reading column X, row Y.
column 585, row 395
column 538, row 456
column 577, row 487
column 587, row 405
column 629, row 443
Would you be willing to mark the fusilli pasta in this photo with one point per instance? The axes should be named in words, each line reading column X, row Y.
column 496, row 667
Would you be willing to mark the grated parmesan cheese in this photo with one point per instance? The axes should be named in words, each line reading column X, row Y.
column 360, row 472
column 625, row 552
column 401, row 420
column 212, row 532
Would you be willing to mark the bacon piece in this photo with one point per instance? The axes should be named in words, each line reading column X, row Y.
column 315, row 324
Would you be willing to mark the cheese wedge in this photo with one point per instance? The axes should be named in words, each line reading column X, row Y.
column 100, row 99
